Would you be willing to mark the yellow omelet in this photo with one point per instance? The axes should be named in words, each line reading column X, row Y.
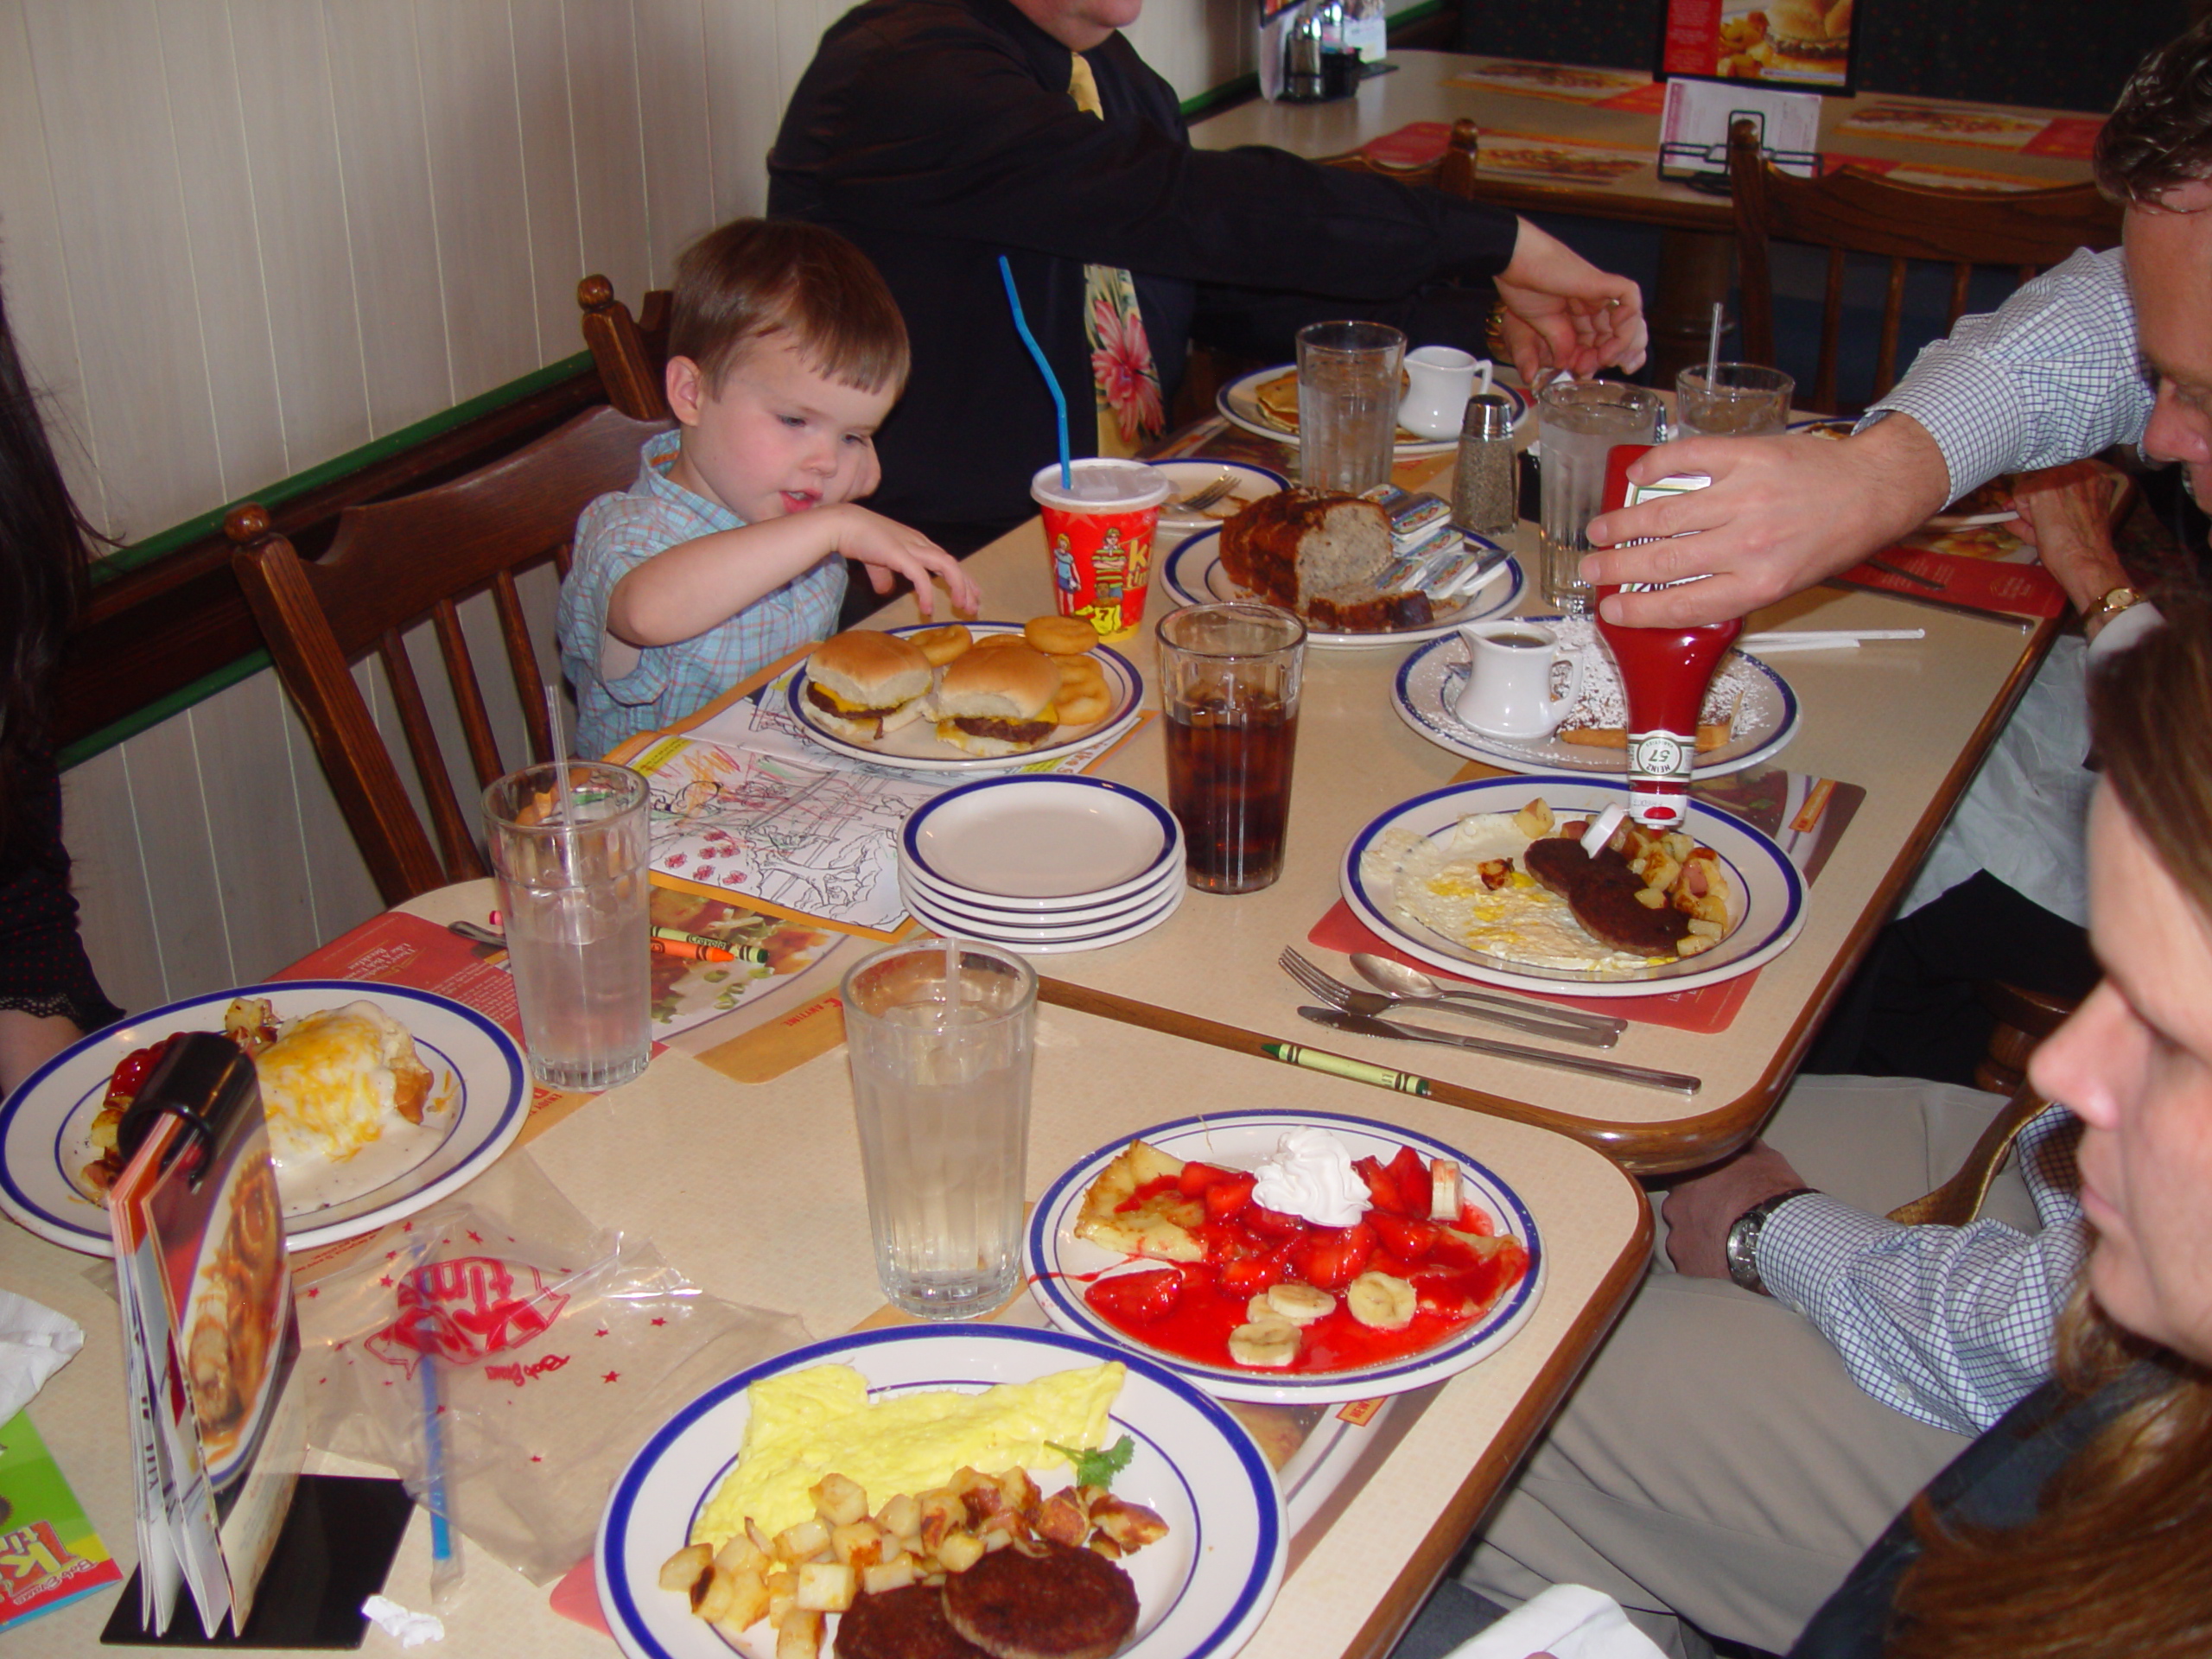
column 819, row 1421
column 334, row 1078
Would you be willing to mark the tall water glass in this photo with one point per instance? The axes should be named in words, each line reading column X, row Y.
column 941, row 1095
column 1731, row 400
column 1229, row 685
column 1348, row 398
column 1582, row 420
column 572, row 866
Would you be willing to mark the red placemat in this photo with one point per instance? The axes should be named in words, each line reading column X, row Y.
column 396, row 948
column 2071, row 135
column 1708, row 1008
column 1968, row 584
column 1644, row 100
column 1418, row 145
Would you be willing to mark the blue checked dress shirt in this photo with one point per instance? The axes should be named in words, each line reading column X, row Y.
column 618, row 533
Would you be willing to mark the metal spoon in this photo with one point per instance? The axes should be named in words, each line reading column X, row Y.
column 1395, row 979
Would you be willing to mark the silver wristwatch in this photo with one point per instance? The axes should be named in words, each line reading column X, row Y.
column 1742, row 1247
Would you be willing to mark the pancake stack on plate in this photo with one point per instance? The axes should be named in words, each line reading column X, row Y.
column 1049, row 865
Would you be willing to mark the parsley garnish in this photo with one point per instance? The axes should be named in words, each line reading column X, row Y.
column 1098, row 1468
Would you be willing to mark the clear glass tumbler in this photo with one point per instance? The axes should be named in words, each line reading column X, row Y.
column 1348, row 398
column 572, row 869
column 1582, row 420
column 1731, row 400
column 1229, row 684
column 941, row 1095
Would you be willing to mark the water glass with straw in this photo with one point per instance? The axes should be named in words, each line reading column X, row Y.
column 1731, row 400
column 569, row 844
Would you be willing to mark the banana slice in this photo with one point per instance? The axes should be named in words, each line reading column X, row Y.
column 1444, row 1190
column 1380, row 1300
column 1268, row 1344
column 1299, row 1304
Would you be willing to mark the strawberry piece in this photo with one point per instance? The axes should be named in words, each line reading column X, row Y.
column 1261, row 1219
column 1197, row 1177
column 1407, row 1237
column 1229, row 1195
column 1248, row 1275
column 1329, row 1258
column 1409, row 1175
column 1382, row 1187
column 1141, row 1297
column 1473, row 1218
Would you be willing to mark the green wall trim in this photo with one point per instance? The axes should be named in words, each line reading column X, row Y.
column 155, row 713
column 137, row 554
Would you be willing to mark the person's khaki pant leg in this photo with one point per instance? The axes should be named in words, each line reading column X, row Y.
column 1716, row 1461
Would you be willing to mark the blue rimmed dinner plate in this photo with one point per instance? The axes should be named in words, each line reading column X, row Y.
column 479, row 1096
column 1201, row 1591
column 1239, row 405
column 1038, row 843
column 1194, row 575
column 1059, row 1264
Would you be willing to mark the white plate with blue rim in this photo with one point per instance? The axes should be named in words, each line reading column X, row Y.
column 1765, row 914
column 479, row 1097
column 1041, row 842
column 1194, row 575
column 1059, row 1264
column 1239, row 405
column 1000, row 924
column 1429, row 681
column 1051, row 942
column 1202, row 1590
column 915, row 746
column 1247, row 484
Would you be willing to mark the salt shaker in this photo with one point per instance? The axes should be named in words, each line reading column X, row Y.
column 1484, row 499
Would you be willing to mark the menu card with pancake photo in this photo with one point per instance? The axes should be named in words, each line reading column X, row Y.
column 210, row 1340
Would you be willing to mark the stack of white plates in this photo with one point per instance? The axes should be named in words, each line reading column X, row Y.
column 1048, row 865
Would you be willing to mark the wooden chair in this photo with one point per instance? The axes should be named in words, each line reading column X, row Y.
column 393, row 563
column 631, row 354
column 1853, row 211
column 1454, row 172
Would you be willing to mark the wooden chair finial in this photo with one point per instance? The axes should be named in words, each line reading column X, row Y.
column 593, row 292
column 247, row 522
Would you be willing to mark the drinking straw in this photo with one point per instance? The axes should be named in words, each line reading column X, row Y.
column 566, row 843
column 445, row 1557
column 951, row 969
column 1713, row 349
column 1052, row 381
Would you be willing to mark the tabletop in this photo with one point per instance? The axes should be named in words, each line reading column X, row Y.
column 1611, row 141
column 754, row 1193
column 1908, row 721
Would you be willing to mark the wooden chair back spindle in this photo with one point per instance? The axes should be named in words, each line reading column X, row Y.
column 630, row 354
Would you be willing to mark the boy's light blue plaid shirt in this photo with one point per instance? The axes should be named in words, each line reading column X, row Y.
column 618, row 533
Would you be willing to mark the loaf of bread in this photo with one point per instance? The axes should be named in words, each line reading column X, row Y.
column 1320, row 554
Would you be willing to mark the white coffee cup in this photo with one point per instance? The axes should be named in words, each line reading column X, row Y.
column 1439, row 381
column 1509, row 689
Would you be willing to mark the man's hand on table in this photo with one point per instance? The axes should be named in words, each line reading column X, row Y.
column 1701, row 1211
column 1562, row 312
column 1780, row 515
column 2067, row 514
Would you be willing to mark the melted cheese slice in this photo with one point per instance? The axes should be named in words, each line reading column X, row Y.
column 334, row 1078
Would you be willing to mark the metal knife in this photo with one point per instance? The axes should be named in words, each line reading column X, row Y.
column 1368, row 1026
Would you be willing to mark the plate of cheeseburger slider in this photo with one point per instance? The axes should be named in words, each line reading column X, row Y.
column 975, row 696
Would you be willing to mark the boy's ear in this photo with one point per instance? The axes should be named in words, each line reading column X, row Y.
column 687, row 390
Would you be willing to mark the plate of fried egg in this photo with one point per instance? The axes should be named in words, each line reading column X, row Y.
column 1445, row 878
column 380, row 1099
column 887, row 1474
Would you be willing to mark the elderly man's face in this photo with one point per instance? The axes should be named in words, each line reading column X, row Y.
column 2170, row 275
column 1080, row 24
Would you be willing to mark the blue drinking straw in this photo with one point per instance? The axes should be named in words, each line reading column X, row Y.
column 1051, row 382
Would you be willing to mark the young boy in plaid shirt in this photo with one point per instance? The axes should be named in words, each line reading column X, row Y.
column 785, row 353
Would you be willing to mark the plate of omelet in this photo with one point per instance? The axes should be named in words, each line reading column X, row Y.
column 905, row 1410
column 381, row 1100
column 1407, row 876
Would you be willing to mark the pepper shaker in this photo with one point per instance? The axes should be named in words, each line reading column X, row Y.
column 1484, row 499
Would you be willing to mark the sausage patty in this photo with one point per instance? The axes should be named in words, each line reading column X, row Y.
column 905, row 1623
column 1601, row 892
column 1068, row 1602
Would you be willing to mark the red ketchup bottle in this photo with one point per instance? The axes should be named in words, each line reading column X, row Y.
column 1665, row 673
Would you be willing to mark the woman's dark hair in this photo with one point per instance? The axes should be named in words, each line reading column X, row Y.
column 2160, row 133
column 44, row 543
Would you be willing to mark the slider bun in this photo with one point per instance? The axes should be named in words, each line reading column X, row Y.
column 942, row 644
column 1013, row 683
column 868, row 669
column 867, row 731
column 988, row 641
column 1062, row 636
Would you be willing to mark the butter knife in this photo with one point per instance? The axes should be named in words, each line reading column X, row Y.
column 1368, row 1026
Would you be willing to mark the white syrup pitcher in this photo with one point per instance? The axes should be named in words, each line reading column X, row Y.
column 1439, row 381
column 1509, row 689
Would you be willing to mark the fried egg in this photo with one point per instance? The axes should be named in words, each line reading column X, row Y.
column 819, row 1421
column 334, row 1079
column 1437, row 882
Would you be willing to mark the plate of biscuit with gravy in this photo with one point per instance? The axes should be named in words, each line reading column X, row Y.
column 965, row 697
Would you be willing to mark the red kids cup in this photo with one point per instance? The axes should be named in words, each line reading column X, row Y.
column 1098, row 533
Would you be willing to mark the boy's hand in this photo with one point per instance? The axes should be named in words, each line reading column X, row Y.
column 889, row 549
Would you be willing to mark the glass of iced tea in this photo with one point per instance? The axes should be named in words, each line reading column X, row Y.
column 1228, row 680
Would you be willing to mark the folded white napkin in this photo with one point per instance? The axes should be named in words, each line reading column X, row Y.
column 36, row 1342
column 1567, row 1622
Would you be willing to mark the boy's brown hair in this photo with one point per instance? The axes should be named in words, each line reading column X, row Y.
column 753, row 278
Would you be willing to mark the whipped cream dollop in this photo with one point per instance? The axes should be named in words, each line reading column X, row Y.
column 1309, row 1175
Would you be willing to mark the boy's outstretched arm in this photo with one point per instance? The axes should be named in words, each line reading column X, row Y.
column 684, row 590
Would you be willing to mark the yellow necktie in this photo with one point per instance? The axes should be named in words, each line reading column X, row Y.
column 1125, row 381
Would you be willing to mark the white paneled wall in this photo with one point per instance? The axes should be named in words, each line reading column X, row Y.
column 241, row 237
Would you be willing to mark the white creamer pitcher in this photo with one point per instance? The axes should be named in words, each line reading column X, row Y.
column 1508, row 688
column 1439, row 381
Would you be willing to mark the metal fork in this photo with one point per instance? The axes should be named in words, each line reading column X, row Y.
column 1197, row 500
column 1338, row 994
